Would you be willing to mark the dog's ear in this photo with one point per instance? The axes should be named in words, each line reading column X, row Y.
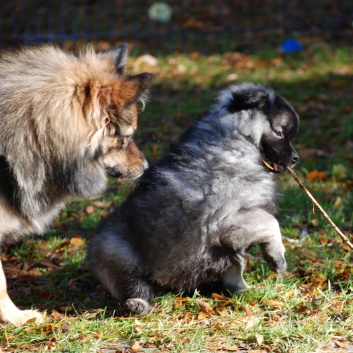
column 132, row 89
column 252, row 99
column 94, row 98
column 140, row 83
column 120, row 55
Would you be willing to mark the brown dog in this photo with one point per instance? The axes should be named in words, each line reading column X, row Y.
column 66, row 123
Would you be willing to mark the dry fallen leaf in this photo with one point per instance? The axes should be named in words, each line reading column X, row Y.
column 204, row 306
column 85, row 337
column 338, row 303
column 47, row 329
column 221, row 310
column 303, row 309
column 218, row 296
column 178, row 305
column 77, row 241
column 341, row 344
column 290, row 293
column 67, row 309
column 202, row 315
column 323, row 240
column 316, row 175
column 338, row 203
column 99, row 335
column 56, row 315
column 89, row 209
column 65, row 243
column 314, row 222
column 136, row 346
column 49, row 264
column 223, row 348
column 65, row 327
column 251, row 323
column 274, row 303
column 217, row 327
column 259, row 339
column 247, row 310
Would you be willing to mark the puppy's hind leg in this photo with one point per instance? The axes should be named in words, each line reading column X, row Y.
column 138, row 306
column 8, row 310
column 143, row 292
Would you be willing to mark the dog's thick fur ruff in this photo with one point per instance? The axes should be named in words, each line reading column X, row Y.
column 197, row 211
column 65, row 125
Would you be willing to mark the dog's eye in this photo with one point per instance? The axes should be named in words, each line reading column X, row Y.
column 117, row 131
column 126, row 140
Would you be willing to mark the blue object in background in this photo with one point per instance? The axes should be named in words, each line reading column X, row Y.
column 291, row 46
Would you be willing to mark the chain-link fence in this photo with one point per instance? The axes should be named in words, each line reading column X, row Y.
column 178, row 25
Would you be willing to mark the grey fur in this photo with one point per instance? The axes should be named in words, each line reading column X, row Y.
column 197, row 211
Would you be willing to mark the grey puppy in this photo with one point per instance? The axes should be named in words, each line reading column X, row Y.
column 197, row 211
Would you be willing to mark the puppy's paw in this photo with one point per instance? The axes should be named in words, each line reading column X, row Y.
column 276, row 262
column 138, row 306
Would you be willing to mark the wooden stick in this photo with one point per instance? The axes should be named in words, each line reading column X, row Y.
column 295, row 177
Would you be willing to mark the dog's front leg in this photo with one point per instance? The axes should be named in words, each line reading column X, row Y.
column 8, row 310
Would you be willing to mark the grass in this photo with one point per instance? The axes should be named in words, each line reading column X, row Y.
column 308, row 310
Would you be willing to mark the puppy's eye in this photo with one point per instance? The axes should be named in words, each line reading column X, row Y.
column 278, row 133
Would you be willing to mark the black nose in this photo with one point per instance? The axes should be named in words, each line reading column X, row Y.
column 295, row 157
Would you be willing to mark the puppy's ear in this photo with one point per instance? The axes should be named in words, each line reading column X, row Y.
column 120, row 55
column 244, row 100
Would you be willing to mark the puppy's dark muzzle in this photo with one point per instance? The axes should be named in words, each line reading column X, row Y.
column 280, row 166
column 295, row 158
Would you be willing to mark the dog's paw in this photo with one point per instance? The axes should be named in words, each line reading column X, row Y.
column 9, row 313
column 21, row 317
column 138, row 306
column 28, row 315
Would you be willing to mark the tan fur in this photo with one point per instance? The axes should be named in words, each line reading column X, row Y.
column 65, row 124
